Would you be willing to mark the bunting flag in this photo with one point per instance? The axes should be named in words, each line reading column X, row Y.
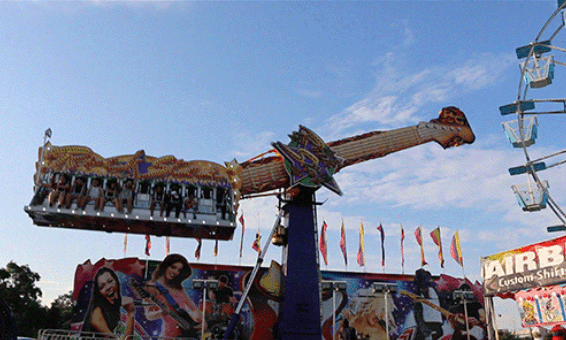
column 197, row 251
column 435, row 234
column 167, row 245
column 361, row 250
column 402, row 250
column 125, row 243
column 456, row 250
column 147, row 244
column 322, row 243
column 418, row 235
column 343, row 243
column 243, row 230
column 257, row 245
column 382, row 233
column 216, row 248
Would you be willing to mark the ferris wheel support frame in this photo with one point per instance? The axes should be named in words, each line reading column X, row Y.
column 535, row 48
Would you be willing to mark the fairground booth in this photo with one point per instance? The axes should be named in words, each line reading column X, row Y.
column 533, row 275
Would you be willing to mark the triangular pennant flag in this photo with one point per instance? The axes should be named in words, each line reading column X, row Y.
column 402, row 250
column 418, row 235
column 197, row 251
column 216, row 248
column 125, row 243
column 343, row 243
column 361, row 250
column 243, row 231
column 435, row 234
column 256, row 245
column 456, row 250
column 147, row 244
column 167, row 245
column 382, row 233
column 322, row 243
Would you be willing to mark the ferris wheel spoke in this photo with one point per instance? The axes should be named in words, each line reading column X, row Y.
column 556, row 164
column 558, row 153
column 556, row 209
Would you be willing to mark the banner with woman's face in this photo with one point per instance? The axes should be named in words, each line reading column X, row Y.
column 165, row 303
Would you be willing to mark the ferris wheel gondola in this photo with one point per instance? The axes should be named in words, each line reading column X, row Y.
column 539, row 62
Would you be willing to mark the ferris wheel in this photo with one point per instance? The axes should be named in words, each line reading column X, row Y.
column 538, row 100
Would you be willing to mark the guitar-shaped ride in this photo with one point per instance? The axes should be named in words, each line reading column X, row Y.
column 306, row 161
column 189, row 327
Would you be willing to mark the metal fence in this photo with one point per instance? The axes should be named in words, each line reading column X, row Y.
column 61, row 334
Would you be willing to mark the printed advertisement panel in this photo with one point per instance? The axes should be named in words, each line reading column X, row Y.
column 536, row 265
column 542, row 306
column 157, row 299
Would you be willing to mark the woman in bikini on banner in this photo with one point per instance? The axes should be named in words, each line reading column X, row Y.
column 179, row 313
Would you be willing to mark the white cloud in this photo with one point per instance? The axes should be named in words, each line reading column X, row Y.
column 429, row 178
column 399, row 94
column 408, row 35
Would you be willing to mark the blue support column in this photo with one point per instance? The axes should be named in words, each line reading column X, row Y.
column 301, row 316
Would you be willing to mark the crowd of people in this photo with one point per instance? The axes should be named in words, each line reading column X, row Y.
column 62, row 190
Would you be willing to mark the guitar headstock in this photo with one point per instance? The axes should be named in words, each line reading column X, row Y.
column 451, row 128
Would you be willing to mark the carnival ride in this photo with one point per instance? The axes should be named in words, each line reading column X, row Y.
column 294, row 171
column 536, row 100
column 214, row 189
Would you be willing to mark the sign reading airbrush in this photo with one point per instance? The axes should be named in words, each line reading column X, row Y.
column 536, row 265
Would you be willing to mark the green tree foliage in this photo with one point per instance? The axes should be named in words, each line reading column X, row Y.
column 61, row 311
column 19, row 291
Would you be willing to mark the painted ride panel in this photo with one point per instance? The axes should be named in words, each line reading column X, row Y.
column 366, row 309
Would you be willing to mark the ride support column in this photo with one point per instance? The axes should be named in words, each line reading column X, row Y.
column 301, row 313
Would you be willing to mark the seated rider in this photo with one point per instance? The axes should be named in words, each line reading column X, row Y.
column 111, row 194
column 78, row 190
column 43, row 189
column 173, row 199
column 59, row 192
column 222, row 201
column 95, row 193
column 157, row 198
column 190, row 205
column 126, row 196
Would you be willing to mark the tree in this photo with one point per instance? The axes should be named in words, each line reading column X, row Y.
column 7, row 326
column 61, row 312
column 20, row 280
column 18, row 290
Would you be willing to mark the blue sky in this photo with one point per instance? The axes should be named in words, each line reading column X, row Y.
column 222, row 80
